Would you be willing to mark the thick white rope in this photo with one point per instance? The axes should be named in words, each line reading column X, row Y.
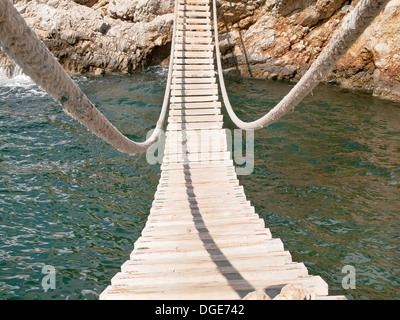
column 353, row 25
column 22, row 45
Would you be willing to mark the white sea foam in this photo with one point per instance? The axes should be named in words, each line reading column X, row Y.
column 20, row 86
column 9, row 71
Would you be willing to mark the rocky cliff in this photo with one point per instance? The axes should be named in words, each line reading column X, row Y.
column 273, row 39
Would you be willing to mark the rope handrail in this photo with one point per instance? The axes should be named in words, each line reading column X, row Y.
column 353, row 25
column 23, row 46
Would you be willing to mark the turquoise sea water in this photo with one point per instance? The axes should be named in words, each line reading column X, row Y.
column 326, row 180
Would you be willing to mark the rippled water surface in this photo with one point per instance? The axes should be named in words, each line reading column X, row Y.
column 326, row 181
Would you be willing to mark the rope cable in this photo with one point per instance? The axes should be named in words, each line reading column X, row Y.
column 23, row 46
column 353, row 25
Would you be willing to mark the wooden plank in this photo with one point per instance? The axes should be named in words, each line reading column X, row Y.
column 195, row 21
column 200, row 67
column 251, row 264
column 183, row 99
column 235, row 289
column 191, row 244
column 198, row 2
column 212, row 219
column 193, row 33
column 195, row 140
column 200, row 193
column 197, row 134
column 207, row 221
column 193, row 74
column 195, row 105
column 201, row 168
column 210, row 275
column 202, row 211
column 182, row 81
column 282, row 272
column 200, row 40
column 193, row 54
column 193, row 61
column 172, row 194
column 192, row 112
column 194, row 86
column 191, row 7
column 273, row 246
column 192, row 14
column 195, row 118
column 179, row 164
column 194, row 92
column 193, row 27
column 198, row 151
column 194, row 47
column 331, row 298
column 207, row 237
column 206, row 212
column 240, row 261
column 250, row 226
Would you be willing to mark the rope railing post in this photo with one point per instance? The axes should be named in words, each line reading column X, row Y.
column 23, row 46
column 353, row 25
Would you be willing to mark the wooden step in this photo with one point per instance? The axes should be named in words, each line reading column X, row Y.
column 196, row 80
column 191, row 7
column 272, row 245
column 194, row 47
column 283, row 273
column 210, row 218
column 195, row 105
column 202, row 98
column 166, row 192
column 193, row 61
column 171, row 194
column 193, row 40
column 232, row 290
column 195, row 118
column 251, row 265
column 195, row 92
column 194, row 33
column 200, row 67
column 193, row 21
column 193, row 14
column 193, row 27
column 196, row 2
column 184, row 244
column 193, row 74
column 193, row 112
column 194, row 86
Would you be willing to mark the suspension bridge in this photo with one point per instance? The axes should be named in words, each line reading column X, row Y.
column 203, row 238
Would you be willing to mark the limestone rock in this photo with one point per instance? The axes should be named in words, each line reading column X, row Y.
column 295, row 291
column 86, row 41
column 257, row 295
column 285, row 37
column 139, row 10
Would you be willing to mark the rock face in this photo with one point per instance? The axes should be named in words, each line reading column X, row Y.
column 280, row 40
column 272, row 39
column 87, row 39
column 293, row 291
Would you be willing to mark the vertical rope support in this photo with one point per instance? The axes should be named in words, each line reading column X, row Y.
column 22, row 45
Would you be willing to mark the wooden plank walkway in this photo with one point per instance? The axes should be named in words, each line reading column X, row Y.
column 203, row 239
